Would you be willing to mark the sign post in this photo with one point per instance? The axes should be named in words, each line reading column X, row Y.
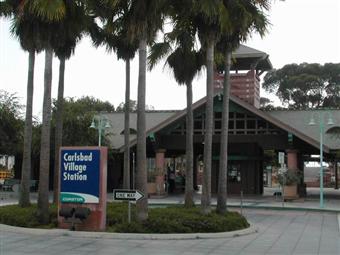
column 283, row 170
column 127, row 195
column 83, row 178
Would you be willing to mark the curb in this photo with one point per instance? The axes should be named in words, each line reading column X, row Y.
column 264, row 207
column 131, row 236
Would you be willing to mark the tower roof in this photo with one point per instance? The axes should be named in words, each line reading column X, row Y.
column 247, row 58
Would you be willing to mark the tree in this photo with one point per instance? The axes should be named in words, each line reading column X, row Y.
column 185, row 62
column 77, row 117
column 146, row 19
column 208, row 17
column 243, row 17
column 11, row 124
column 132, row 106
column 70, row 31
column 49, row 14
column 29, row 31
column 305, row 86
column 116, row 38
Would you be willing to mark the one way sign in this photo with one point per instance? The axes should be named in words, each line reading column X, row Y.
column 127, row 195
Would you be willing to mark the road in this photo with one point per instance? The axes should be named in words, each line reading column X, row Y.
column 280, row 232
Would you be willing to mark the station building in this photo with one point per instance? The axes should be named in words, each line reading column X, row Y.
column 255, row 136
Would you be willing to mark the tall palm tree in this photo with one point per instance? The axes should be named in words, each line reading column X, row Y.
column 244, row 17
column 70, row 31
column 114, row 35
column 28, row 31
column 208, row 17
column 48, row 14
column 185, row 62
column 146, row 19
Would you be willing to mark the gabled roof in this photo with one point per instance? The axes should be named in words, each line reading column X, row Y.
column 116, row 119
column 299, row 120
column 163, row 119
column 244, row 58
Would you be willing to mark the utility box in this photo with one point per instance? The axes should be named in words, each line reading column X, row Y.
column 82, row 188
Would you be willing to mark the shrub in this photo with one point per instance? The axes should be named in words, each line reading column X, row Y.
column 26, row 217
column 174, row 219
column 181, row 220
column 290, row 177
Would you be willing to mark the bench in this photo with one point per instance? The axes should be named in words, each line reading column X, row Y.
column 13, row 185
column 9, row 183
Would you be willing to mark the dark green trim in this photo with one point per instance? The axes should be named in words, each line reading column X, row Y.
column 238, row 157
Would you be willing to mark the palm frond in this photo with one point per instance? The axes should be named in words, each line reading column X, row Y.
column 157, row 52
column 49, row 11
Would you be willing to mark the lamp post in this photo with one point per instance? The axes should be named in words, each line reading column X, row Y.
column 322, row 130
column 100, row 123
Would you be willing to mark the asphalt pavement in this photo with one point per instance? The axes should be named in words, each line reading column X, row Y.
column 300, row 227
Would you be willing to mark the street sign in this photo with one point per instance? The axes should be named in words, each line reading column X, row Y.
column 281, row 157
column 127, row 195
column 79, row 175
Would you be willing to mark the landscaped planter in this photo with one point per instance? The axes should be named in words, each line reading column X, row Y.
column 290, row 192
column 152, row 188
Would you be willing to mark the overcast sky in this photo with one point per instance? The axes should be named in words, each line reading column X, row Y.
column 301, row 31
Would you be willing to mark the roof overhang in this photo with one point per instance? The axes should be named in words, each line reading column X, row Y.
column 248, row 107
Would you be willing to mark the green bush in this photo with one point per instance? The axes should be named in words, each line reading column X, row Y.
column 174, row 219
column 290, row 177
column 177, row 220
column 26, row 217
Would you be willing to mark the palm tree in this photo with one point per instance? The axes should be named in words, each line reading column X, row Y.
column 69, row 31
column 208, row 17
column 48, row 14
column 244, row 17
column 28, row 31
column 185, row 62
column 146, row 20
column 114, row 35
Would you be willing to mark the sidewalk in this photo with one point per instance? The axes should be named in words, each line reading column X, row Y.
column 267, row 200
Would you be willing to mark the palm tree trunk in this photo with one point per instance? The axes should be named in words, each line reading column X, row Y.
column 127, row 126
column 58, row 129
column 223, row 168
column 141, row 175
column 24, row 199
column 43, row 214
column 189, row 189
column 209, row 111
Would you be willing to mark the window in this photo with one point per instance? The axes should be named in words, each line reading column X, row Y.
column 251, row 124
column 218, row 124
column 231, row 124
column 234, row 173
column 240, row 124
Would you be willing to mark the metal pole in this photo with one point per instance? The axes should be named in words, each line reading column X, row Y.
column 133, row 170
column 336, row 174
column 241, row 202
column 321, row 160
column 283, row 187
column 129, row 212
column 99, row 133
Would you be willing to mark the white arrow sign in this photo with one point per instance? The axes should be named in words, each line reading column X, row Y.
column 127, row 195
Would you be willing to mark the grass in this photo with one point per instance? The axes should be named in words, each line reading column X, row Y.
column 173, row 219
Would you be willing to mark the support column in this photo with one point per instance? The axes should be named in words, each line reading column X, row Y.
column 160, row 170
column 292, row 159
column 336, row 174
column 291, row 191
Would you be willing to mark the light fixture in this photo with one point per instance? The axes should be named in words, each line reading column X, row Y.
column 330, row 120
column 93, row 125
column 107, row 125
column 312, row 122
